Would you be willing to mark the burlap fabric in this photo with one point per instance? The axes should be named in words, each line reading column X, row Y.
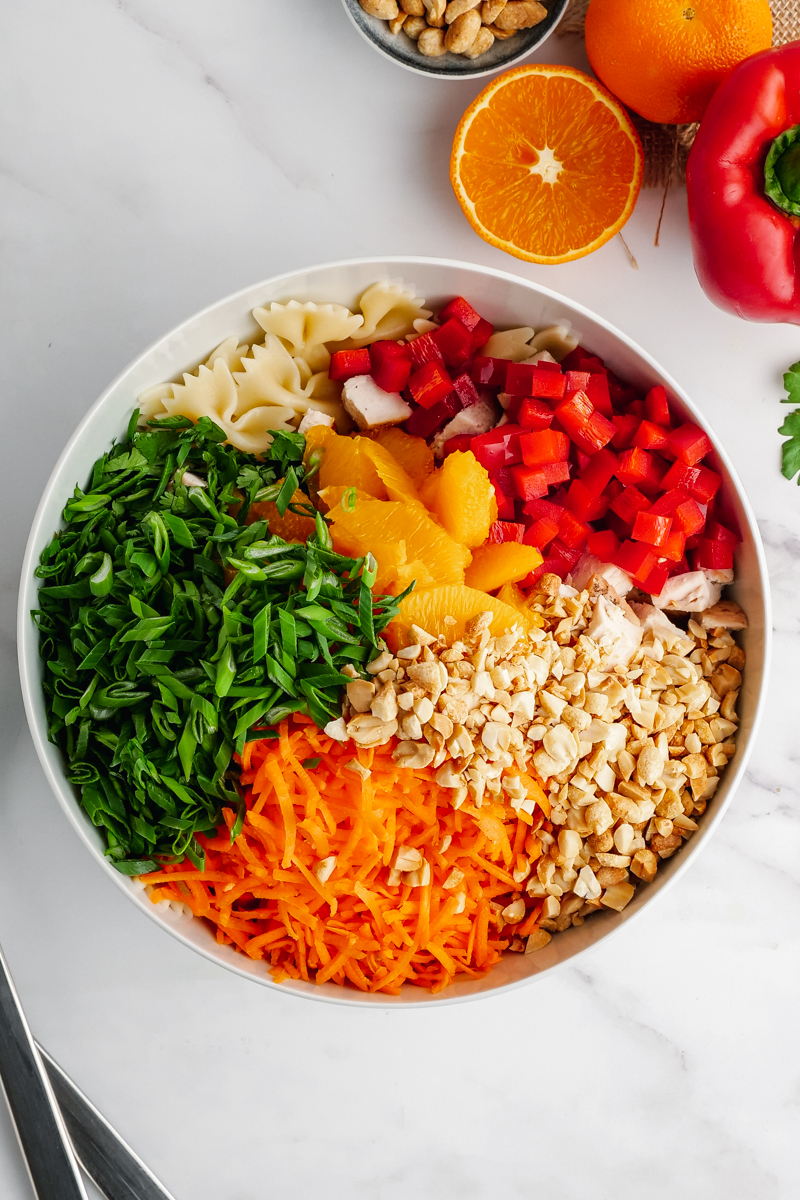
column 666, row 147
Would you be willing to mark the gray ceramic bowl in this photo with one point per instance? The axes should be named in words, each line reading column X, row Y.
column 401, row 49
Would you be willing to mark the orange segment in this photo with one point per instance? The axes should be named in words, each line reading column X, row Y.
column 363, row 464
column 431, row 555
column 546, row 164
column 292, row 527
column 465, row 500
column 429, row 608
column 508, row 562
column 413, row 453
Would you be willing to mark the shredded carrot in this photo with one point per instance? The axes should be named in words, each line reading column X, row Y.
column 357, row 926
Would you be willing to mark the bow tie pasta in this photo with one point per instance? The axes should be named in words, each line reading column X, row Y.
column 249, row 391
column 305, row 328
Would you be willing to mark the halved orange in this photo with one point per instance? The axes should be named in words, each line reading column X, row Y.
column 546, row 164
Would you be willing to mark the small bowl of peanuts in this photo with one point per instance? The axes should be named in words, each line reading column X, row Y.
column 455, row 39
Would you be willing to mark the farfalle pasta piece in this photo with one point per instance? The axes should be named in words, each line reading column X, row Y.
column 213, row 393
column 151, row 401
column 305, row 328
column 272, row 376
column 389, row 312
column 231, row 352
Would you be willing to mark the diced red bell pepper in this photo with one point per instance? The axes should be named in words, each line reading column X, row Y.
column 576, row 358
column 430, row 384
column 460, row 442
column 573, row 533
column 346, row 364
column 628, row 503
column 550, row 566
column 650, row 436
column 626, row 426
column 679, row 568
column 529, row 482
column 603, row 544
column 689, row 444
column 574, row 412
column 390, row 365
column 519, row 379
column 549, row 384
column 544, row 364
column 666, row 504
column 489, row 372
column 462, row 310
column 454, row 341
column 640, row 468
column 654, row 583
column 546, row 446
column 598, row 392
column 713, row 556
column 689, row 517
column 720, row 533
column 506, row 531
column 650, row 528
column 636, row 559
column 675, row 545
column 466, row 391
column 541, row 533
column 577, row 381
column 539, row 509
column 698, row 481
column 422, row 350
column 555, row 473
column 613, row 489
column 534, row 414
column 599, row 471
column 636, row 409
column 425, row 421
column 504, row 491
column 595, row 434
column 480, row 335
column 656, row 405
column 568, row 554
column 584, row 504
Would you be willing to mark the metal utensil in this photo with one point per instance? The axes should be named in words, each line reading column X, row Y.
column 117, row 1171
column 42, row 1134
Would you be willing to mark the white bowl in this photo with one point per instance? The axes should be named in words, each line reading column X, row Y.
column 401, row 49
column 505, row 300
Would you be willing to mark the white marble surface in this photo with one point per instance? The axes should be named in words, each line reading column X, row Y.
column 154, row 158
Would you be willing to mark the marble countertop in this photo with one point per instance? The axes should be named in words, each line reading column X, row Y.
column 154, row 158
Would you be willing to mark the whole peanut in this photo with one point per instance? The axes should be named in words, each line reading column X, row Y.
column 462, row 32
column 490, row 10
column 435, row 10
column 456, row 7
column 483, row 42
column 414, row 26
column 414, row 8
column 431, row 43
column 520, row 14
column 501, row 34
column 387, row 10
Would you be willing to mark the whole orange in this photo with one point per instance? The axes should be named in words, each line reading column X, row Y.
column 665, row 58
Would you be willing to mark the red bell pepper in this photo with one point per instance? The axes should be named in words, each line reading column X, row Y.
column 425, row 421
column 538, row 509
column 529, row 482
column 651, row 529
column 715, row 556
column 541, row 533
column 650, row 436
column 390, row 365
column 689, row 444
column 504, row 491
column 637, row 559
column 490, row 372
column 597, row 391
column 463, row 311
column 345, row 364
column 454, row 341
column 422, row 350
column 462, row 442
column 743, row 186
column 466, row 391
column 534, row 414
column 628, row 503
column 505, row 531
column 584, row 504
column 656, row 405
column 654, row 583
column 430, row 384
column 548, row 446
column 603, row 544
column 599, row 471
column 573, row 533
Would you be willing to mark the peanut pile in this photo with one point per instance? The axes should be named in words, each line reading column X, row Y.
column 468, row 27
column 626, row 719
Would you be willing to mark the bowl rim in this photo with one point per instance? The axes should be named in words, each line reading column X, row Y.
column 558, row 10
column 29, row 682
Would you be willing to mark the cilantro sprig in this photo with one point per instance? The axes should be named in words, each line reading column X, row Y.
column 790, row 451
column 174, row 627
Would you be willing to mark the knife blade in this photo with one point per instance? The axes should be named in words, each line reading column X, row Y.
column 42, row 1134
column 106, row 1158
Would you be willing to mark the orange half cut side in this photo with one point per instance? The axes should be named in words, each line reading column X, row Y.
column 546, row 164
